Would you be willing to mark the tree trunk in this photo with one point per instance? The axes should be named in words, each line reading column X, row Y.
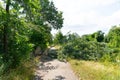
column 5, row 42
column 5, row 31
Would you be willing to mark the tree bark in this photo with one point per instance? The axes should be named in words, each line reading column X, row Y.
column 5, row 31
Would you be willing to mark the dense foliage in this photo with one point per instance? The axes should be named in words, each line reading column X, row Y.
column 25, row 25
column 96, row 46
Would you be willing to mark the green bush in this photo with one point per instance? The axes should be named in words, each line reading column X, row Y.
column 61, row 56
column 86, row 50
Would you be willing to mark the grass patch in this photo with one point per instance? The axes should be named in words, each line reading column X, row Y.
column 23, row 72
column 90, row 70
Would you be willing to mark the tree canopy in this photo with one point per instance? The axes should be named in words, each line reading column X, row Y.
column 25, row 25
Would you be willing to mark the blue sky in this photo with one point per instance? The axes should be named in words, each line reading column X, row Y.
column 88, row 16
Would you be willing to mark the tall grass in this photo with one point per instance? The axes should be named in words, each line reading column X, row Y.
column 90, row 70
column 25, row 71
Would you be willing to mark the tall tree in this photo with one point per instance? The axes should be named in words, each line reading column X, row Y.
column 99, row 35
column 24, row 24
column 5, row 29
column 113, row 36
column 59, row 38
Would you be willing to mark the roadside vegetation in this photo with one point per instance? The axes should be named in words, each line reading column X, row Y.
column 25, row 25
column 91, row 70
column 93, row 56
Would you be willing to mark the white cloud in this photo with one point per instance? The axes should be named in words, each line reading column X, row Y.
column 69, row 5
column 87, row 13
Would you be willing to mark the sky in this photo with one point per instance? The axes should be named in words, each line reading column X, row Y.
column 88, row 16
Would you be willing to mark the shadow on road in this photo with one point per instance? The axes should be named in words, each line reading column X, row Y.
column 59, row 78
column 37, row 77
column 45, row 65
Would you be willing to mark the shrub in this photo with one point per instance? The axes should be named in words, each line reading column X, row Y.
column 86, row 50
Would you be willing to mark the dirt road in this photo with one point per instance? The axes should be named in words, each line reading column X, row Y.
column 54, row 70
